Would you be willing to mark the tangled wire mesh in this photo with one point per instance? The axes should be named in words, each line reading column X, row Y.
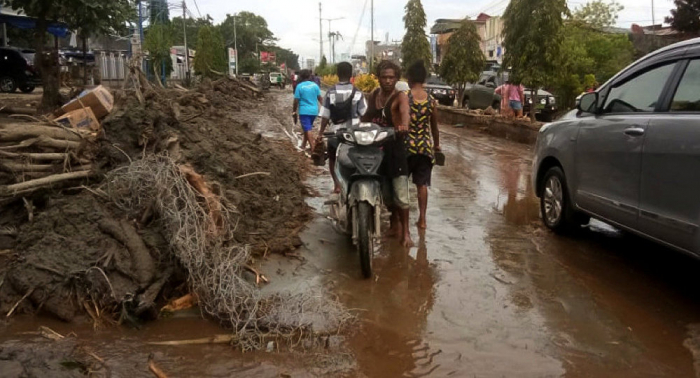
column 215, row 262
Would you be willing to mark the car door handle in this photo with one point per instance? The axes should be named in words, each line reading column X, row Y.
column 634, row 131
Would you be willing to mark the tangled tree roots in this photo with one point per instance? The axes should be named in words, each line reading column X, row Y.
column 199, row 224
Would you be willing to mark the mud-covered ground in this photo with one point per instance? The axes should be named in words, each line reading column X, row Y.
column 487, row 292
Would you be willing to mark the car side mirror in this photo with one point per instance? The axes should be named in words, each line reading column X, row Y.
column 589, row 103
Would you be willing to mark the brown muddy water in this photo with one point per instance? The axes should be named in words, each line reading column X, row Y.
column 486, row 292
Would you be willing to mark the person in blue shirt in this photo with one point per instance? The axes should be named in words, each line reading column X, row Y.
column 307, row 97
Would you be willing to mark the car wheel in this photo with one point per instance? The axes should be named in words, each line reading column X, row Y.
column 7, row 84
column 465, row 103
column 28, row 89
column 557, row 210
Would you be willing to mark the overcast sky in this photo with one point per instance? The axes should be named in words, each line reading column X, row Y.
column 295, row 22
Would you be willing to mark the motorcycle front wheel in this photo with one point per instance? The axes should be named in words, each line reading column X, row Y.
column 365, row 241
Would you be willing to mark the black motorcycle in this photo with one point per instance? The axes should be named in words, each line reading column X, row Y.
column 357, row 209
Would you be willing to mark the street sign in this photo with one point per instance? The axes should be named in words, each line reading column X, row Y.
column 231, row 61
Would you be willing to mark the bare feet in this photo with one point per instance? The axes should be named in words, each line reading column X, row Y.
column 422, row 224
column 406, row 241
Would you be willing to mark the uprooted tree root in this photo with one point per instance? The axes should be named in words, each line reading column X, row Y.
column 215, row 263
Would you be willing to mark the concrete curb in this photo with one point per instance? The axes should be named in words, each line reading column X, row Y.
column 518, row 131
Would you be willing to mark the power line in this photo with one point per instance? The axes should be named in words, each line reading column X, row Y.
column 197, row 6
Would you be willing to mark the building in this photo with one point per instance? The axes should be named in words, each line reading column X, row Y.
column 310, row 64
column 385, row 51
column 443, row 29
column 493, row 39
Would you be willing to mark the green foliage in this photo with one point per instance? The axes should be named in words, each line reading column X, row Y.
column 598, row 14
column 249, row 65
column 158, row 40
column 587, row 56
column 464, row 60
column 158, row 11
column 192, row 26
column 211, row 53
column 324, row 69
column 686, row 16
column 251, row 33
column 415, row 45
column 533, row 38
column 285, row 56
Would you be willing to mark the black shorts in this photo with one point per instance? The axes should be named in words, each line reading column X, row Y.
column 420, row 168
column 332, row 146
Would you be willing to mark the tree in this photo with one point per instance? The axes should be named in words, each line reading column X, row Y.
column 464, row 60
column 415, row 45
column 158, row 41
column 288, row 57
column 251, row 35
column 686, row 17
column 532, row 34
column 211, row 53
column 598, row 14
column 158, row 11
column 88, row 15
column 192, row 26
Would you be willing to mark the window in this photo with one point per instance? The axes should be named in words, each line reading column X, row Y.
column 639, row 94
column 687, row 97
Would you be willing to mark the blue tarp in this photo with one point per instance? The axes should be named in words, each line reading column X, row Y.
column 56, row 28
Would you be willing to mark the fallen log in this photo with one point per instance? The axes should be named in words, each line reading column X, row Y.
column 141, row 260
column 155, row 369
column 216, row 339
column 11, row 110
column 15, row 132
column 31, row 185
column 44, row 141
column 9, row 166
column 36, row 156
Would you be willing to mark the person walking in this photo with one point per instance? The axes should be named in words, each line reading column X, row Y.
column 388, row 107
column 343, row 107
column 423, row 138
column 307, row 96
column 516, row 99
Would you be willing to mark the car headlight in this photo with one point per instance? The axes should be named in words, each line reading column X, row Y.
column 543, row 101
column 552, row 100
column 365, row 138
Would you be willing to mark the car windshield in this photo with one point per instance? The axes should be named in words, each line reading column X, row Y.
column 436, row 80
column 483, row 79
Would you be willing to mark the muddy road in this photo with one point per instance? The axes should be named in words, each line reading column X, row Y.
column 486, row 292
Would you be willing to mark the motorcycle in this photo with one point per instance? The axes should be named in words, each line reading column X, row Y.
column 356, row 210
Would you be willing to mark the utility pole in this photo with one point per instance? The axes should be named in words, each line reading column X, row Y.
column 187, row 52
column 330, row 39
column 653, row 24
column 371, row 46
column 320, row 32
column 143, row 68
column 235, row 42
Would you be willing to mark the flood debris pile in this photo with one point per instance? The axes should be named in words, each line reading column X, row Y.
column 175, row 196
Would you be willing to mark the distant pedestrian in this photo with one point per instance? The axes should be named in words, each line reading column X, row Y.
column 516, row 99
column 316, row 79
column 307, row 96
column 342, row 107
column 423, row 138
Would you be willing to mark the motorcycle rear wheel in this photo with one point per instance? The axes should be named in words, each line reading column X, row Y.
column 365, row 241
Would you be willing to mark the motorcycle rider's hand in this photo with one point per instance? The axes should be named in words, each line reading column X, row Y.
column 402, row 129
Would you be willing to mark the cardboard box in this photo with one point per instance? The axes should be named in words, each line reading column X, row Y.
column 99, row 100
column 81, row 119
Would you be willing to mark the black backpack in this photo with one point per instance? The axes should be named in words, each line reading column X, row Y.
column 341, row 112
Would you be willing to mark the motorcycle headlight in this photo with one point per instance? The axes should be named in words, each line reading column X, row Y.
column 365, row 138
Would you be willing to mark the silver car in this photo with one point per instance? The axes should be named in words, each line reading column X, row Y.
column 631, row 156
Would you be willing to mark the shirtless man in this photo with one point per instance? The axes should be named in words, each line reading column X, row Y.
column 389, row 108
